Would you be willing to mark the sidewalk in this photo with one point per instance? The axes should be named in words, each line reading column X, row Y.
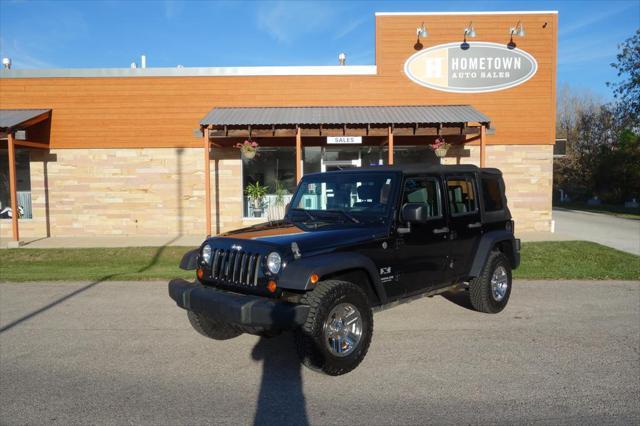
column 109, row 241
column 178, row 240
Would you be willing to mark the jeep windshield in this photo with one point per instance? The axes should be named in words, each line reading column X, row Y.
column 353, row 198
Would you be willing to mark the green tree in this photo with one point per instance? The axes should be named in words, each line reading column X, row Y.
column 627, row 89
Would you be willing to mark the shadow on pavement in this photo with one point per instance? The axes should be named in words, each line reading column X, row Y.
column 66, row 297
column 460, row 298
column 54, row 303
column 281, row 399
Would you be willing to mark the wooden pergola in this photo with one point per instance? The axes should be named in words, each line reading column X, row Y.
column 289, row 125
column 22, row 128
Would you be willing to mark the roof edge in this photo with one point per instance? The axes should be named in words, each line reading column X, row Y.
column 190, row 71
column 502, row 12
column 16, row 118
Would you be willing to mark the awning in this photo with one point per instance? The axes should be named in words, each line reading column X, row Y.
column 18, row 119
column 344, row 115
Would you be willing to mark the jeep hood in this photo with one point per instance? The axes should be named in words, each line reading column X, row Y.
column 309, row 240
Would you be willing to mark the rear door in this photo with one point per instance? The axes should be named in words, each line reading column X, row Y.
column 423, row 252
column 464, row 220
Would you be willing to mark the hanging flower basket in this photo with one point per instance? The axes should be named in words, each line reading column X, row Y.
column 248, row 149
column 441, row 152
column 440, row 147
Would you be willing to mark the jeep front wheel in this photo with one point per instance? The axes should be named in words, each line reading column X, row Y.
column 490, row 291
column 336, row 336
column 213, row 329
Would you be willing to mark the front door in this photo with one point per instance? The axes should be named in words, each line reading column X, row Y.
column 331, row 166
column 340, row 158
column 423, row 251
column 464, row 220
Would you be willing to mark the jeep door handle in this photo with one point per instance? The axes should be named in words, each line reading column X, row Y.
column 441, row 230
column 474, row 225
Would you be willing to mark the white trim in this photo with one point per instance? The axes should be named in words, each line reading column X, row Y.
column 191, row 71
column 503, row 12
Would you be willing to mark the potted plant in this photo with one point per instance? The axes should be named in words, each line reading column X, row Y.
column 248, row 149
column 256, row 194
column 440, row 147
column 281, row 191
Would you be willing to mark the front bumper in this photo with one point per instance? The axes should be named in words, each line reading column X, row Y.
column 239, row 309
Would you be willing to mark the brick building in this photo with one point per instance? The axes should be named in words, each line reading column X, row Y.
column 121, row 151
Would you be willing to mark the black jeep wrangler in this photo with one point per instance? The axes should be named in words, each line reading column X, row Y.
column 353, row 242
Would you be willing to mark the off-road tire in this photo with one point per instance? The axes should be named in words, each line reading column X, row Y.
column 213, row 329
column 310, row 336
column 480, row 293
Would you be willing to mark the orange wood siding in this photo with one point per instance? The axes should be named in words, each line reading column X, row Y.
column 164, row 111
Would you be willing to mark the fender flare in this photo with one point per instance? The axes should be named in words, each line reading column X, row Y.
column 486, row 244
column 297, row 273
column 189, row 261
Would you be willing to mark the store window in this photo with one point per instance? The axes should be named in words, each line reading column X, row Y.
column 462, row 198
column 312, row 159
column 23, row 183
column 269, row 180
column 412, row 155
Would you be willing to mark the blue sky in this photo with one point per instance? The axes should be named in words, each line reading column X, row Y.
column 104, row 34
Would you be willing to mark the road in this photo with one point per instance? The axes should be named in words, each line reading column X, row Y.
column 123, row 353
column 619, row 233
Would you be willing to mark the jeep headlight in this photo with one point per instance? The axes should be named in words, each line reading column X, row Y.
column 206, row 253
column 274, row 262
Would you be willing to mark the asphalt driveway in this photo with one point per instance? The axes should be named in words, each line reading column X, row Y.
column 123, row 353
column 619, row 233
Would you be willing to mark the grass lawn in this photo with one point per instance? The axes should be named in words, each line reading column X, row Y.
column 90, row 264
column 579, row 260
column 540, row 260
column 610, row 209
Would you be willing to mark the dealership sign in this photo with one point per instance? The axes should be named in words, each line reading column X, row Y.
column 482, row 67
column 339, row 140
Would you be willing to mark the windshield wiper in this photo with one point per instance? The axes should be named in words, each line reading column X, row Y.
column 347, row 215
column 309, row 215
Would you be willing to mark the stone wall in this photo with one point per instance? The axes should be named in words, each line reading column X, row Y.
column 153, row 191
column 159, row 191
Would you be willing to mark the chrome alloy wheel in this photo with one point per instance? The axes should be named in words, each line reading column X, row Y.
column 499, row 283
column 343, row 329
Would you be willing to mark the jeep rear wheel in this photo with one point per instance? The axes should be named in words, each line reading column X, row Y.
column 337, row 334
column 213, row 329
column 490, row 291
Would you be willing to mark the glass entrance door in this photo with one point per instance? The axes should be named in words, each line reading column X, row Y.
column 330, row 166
column 340, row 158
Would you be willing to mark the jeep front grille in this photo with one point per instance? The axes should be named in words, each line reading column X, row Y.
column 236, row 267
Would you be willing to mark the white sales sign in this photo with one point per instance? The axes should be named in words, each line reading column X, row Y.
column 339, row 140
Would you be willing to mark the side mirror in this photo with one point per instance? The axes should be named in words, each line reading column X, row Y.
column 414, row 213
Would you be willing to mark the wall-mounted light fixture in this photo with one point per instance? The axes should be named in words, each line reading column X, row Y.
column 517, row 30
column 421, row 32
column 342, row 58
column 468, row 32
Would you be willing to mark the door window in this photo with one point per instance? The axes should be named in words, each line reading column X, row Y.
column 462, row 197
column 424, row 191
